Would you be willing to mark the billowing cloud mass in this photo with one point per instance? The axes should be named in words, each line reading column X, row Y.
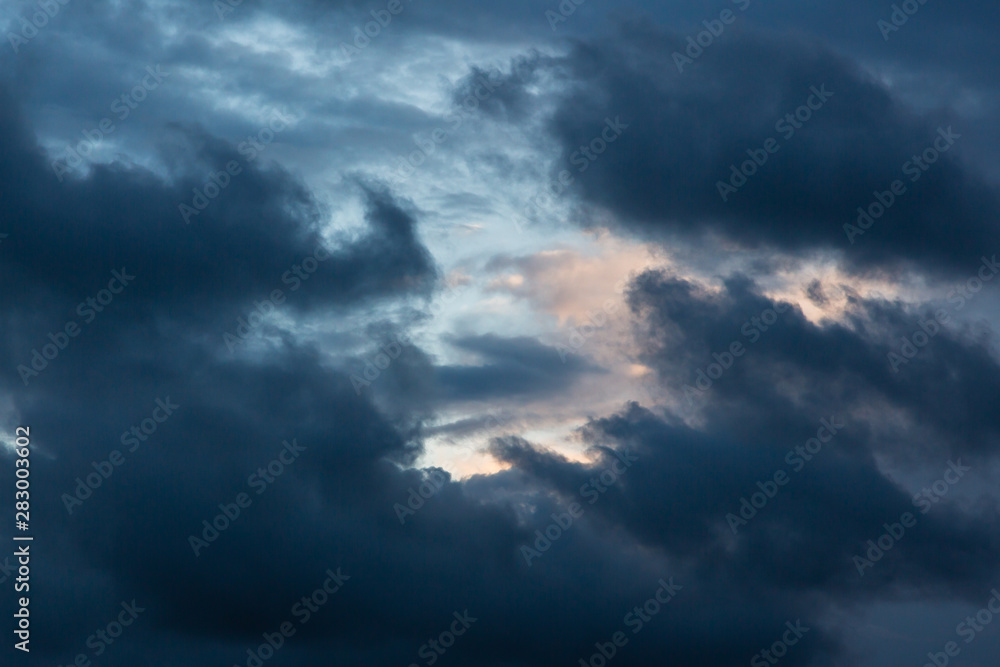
column 525, row 335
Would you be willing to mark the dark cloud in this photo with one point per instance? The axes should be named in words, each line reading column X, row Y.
column 503, row 94
column 846, row 366
column 815, row 293
column 682, row 132
column 512, row 367
column 417, row 543
column 251, row 239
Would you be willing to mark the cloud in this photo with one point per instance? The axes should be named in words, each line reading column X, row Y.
column 358, row 264
column 512, row 367
column 660, row 178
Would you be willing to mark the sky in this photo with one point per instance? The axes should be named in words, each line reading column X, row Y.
column 526, row 334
